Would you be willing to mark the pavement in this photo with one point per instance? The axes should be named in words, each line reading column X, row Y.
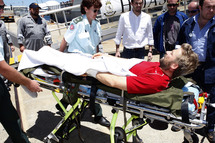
column 39, row 117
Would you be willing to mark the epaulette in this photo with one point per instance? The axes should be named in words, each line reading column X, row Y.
column 77, row 19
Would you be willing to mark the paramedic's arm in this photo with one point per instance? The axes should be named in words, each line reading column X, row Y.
column 14, row 76
column 112, row 80
column 97, row 48
column 63, row 45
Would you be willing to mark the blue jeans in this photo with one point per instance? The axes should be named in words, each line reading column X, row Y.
column 133, row 53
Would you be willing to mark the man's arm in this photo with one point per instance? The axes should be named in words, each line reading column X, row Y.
column 119, row 34
column 48, row 37
column 14, row 76
column 112, row 80
column 20, row 36
column 150, row 53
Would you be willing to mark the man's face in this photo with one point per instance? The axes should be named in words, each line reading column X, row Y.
column 169, row 59
column 34, row 11
column 137, row 5
column 91, row 13
column 172, row 6
column 207, row 11
column 1, row 6
column 193, row 9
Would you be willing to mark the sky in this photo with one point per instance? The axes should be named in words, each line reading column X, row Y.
column 25, row 2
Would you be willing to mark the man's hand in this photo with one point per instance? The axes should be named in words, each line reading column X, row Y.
column 149, row 56
column 22, row 48
column 117, row 54
column 34, row 86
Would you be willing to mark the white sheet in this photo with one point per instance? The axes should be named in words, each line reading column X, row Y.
column 76, row 63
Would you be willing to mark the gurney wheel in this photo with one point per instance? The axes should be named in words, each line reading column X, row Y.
column 194, row 137
column 49, row 141
column 119, row 135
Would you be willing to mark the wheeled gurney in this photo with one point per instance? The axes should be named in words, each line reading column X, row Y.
column 141, row 108
column 172, row 106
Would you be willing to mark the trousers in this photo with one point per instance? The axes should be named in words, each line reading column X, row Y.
column 9, row 117
column 133, row 53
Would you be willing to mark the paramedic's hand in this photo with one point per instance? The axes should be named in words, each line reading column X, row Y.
column 92, row 73
column 22, row 48
column 149, row 56
column 33, row 86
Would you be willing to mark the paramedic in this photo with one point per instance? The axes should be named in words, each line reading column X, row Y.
column 9, row 117
column 84, row 35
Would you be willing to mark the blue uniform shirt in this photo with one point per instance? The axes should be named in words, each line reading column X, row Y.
column 83, row 37
column 199, row 39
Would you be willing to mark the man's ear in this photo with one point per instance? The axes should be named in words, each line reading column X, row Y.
column 174, row 66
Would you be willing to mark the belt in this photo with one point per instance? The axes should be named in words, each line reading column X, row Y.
column 134, row 49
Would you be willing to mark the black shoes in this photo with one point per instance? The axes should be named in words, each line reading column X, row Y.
column 211, row 137
column 102, row 121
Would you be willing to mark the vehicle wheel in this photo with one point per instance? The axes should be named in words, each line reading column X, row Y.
column 119, row 135
column 194, row 137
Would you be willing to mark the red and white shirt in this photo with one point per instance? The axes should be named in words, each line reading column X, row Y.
column 150, row 78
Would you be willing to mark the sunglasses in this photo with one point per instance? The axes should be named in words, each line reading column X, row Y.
column 96, row 10
column 173, row 4
column 193, row 11
column 2, row 6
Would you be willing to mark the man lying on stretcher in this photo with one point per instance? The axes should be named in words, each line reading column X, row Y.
column 131, row 75
column 151, row 77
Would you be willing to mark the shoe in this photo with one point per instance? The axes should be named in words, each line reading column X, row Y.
column 175, row 129
column 102, row 121
column 211, row 137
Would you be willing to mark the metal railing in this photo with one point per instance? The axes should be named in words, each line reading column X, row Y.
column 110, row 28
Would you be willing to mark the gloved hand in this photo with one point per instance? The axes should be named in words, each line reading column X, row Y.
column 92, row 73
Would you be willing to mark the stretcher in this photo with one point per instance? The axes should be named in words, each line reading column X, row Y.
column 142, row 113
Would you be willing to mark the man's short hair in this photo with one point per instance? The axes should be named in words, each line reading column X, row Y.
column 187, row 62
column 201, row 2
column 90, row 3
column 132, row 1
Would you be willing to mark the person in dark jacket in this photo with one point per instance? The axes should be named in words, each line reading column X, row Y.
column 167, row 26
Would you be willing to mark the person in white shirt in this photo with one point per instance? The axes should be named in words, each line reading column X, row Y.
column 136, row 28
